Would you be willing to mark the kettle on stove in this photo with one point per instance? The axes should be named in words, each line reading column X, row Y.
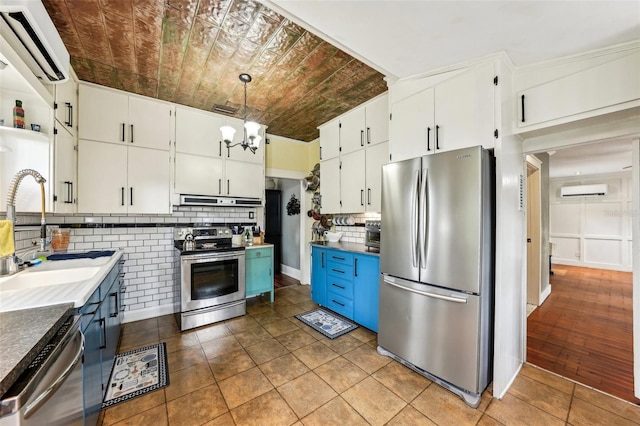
column 189, row 243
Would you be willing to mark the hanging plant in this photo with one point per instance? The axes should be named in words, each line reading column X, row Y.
column 293, row 206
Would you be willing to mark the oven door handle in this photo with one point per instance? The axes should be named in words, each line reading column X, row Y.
column 211, row 256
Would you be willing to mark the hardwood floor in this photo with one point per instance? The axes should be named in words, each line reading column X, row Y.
column 282, row 280
column 583, row 331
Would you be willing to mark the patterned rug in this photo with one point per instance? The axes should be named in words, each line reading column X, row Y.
column 328, row 323
column 136, row 373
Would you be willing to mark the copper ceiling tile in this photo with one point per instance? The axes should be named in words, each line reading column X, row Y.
column 244, row 10
column 104, row 74
column 128, row 81
column 147, row 86
column 181, row 12
column 147, row 46
column 174, row 45
column 262, row 29
column 245, row 55
column 192, row 66
column 213, row 11
column 307, row 42
column 121, row 40
column 118, row 7
column 203, row 34
column 83, row 69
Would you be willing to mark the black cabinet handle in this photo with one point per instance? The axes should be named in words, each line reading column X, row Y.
column 362, row 197
column 122, row 195
column 122, row 132
column 219, row 186
column 69, row 199
column 131, row 195
column 115, row 313
column 321, row 153
column 355, row 267
column 361, row 137
column 132, row 133
column 103, row 324
column 339, row 286
column 522, row 104
column 67, row 105
column 368, row 135
column 70, row 115
column 339, row 258
column 337, row 303
column 428, row 138
column 228, row 152
column 437, row 137
column 337, row 270
column 322, row 260
column 220, row 149
column 228, row 187
column 369, row 196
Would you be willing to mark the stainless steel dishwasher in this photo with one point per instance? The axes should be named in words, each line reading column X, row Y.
column 49, row 392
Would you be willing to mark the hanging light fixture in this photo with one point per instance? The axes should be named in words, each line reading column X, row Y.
column 251, row 139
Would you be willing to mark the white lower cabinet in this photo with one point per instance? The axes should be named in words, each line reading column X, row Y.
column 65, row 184
column 122, row 179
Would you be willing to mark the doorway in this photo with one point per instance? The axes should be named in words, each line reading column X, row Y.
column 534, row 235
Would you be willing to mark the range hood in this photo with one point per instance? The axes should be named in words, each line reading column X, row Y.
column 206, row 200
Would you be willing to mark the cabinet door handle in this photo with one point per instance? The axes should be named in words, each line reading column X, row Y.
column 362, row 197
column 355, row 267
column 228, row 152
column 69, row 199
column 339, row 258
column 220, row 149
column 337, row 303
column 115, row 313
column 70, row 115
column 219, row 186
column 339, row 286
column 522, row 106
column 368, row 135
column 131, row 133
column 122, row 196
column 228, row 187
column 361, row 137
column 68, row 120
column 322, row 260
column 103, row 324
column 337, row 270
column 369, row 196
column 122, row 128
column 437, row 137
column 131, row 195
column 321, row 153
column 428, row 138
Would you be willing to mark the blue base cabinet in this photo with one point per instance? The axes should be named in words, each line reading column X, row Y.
column 347, row 283
column 259, row 270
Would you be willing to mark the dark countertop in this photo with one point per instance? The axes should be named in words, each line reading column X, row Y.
column 352, row 247
column 23, row 334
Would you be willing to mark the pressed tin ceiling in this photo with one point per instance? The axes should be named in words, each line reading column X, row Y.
column 191, row 52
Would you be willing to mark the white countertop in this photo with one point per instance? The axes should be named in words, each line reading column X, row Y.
column 75, row 292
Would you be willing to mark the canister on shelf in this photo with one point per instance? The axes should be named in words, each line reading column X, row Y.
column 18, row 115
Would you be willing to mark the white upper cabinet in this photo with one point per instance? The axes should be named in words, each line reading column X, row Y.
column 66, row 104
column 581, row 94
column 198, row 132
column 65, row 183
column 107, row 115
column 243, row 179
column 377, row 120
column 330, row 185
column 376, row 157
column 198, row 174
column 330, row 140
column 352, row 183
column 456, row 113
column 148, row 185
column 352, row 130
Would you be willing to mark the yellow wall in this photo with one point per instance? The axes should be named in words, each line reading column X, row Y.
column 288, row 154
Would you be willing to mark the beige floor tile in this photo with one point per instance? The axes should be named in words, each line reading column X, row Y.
column 280, row 327
column 584, row 413
column 133, row 407
column 511, row 410
column 213, row 331
column 541, row 395
column 154, row 416
column 185, row 358
column 188, row 380
column 179, row 342
column 266, row 410
column 240, row 324
column 295, row 297
column 227, row 365
column 340, row 374
column 410, row 416
column 223, row 420
column 310, row 331
column 306, row 393
column 252, row 336
column 367, row 358
column 150, row 324
column 308, row 305
column 315, row 354
column 373, row 401
column 283, row 369
column 196, row 407
column 244, row 387
column 606, row 402
column 267, row 317
column 335, row 412
column 405, row 383
column 220, row 346
column 342, row 344
column 256, row 306
column 169, row 329
column 487, row 420
column 445, row 408
column 266, row 351
column 547, row 378
column 138, row 339
column 363, row 334
column 296, row 340
column 289, row 311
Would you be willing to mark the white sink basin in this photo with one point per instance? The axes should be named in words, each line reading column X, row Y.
column 35, row 278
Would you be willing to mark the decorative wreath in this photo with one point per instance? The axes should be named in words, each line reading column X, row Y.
column 293, row 206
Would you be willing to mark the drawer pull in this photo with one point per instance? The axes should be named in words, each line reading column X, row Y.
column 337, row 270
column 337, row 303
column 339, row 286
column 339, row 258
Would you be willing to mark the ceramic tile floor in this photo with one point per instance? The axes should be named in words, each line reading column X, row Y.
column 268, row 368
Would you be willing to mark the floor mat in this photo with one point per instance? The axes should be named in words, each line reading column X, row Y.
column 136, row 373
column 328, row 323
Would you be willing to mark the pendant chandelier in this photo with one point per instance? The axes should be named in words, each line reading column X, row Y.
column 251, row 139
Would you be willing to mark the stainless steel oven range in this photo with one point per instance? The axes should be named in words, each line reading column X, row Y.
column 211, row 277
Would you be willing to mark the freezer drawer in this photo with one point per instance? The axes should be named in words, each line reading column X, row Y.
column 434, row 329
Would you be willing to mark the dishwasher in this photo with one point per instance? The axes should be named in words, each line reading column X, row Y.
column 49, row 391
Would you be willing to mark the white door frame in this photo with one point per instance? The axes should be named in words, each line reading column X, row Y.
column 535, row 163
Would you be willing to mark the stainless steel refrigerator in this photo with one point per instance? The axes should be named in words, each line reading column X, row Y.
column 437, row 268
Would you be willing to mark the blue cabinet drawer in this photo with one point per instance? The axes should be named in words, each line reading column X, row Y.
column 342, row 257
column 258, row 252
column 340, row 287
column 340, row 304
column 340, row 270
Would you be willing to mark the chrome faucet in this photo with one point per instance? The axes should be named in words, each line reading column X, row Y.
column 10, row 264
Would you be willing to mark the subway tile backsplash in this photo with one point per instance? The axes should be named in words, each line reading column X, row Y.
column 149, row 253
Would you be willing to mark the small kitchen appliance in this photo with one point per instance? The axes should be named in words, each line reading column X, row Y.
column 210, row 281
column 372, row 234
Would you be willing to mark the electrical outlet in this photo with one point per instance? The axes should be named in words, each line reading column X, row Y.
column 250, row 215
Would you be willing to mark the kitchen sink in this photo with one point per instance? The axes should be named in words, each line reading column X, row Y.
column 32, row 278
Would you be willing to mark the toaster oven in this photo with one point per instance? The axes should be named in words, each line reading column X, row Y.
column 372, row 234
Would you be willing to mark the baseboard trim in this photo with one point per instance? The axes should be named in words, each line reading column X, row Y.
column 545, row 294
column 289, row 271
column 146, row 313
column 608, row 266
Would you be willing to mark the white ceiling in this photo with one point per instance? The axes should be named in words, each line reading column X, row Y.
column 591, row 159
column 404, row 38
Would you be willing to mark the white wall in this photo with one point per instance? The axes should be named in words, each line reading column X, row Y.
column 592, row 231
column 290, row 224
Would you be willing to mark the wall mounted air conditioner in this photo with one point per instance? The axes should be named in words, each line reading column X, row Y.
column 27, row 27
column 583, row 190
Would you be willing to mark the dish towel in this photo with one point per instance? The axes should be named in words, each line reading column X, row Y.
column 88, row 255
column 6, row 238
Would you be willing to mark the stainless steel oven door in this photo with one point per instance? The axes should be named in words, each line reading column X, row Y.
column 211, row 279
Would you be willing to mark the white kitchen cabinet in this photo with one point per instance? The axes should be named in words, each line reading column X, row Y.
column 330, row 185
column 198, row 132
column 243, row 179
column 376, row 157
column 65, row 171
column 456, row 113
column 116, row 178
column 198, row 174
column 66, row 104
column 352, row 182
column 581, row 94
column 107, row 115
column 377, row 120
column 330, row 140
column 352, row 130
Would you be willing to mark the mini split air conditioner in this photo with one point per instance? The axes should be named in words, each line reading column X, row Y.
column 583, row 190
column 27, row 27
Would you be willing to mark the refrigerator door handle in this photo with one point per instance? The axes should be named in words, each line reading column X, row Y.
column 424, row 218
column 414, row 220
column 427, row 294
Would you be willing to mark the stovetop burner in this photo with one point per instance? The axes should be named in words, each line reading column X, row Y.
column 206, row 239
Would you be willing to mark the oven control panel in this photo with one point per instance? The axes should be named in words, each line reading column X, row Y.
column 202, row 233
